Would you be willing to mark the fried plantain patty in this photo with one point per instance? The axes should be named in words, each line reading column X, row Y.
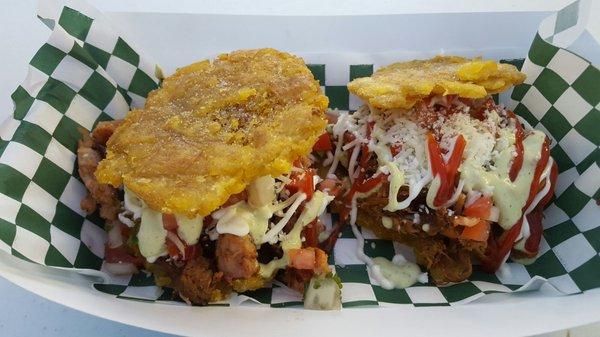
column 214, row 127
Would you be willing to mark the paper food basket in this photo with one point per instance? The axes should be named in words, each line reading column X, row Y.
column 97, row 66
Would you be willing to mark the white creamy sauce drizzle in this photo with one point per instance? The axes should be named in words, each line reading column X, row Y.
column 525, row 230
column 433, row 191
column 292, row 240
column 189, row 230
column 240, row 218
column 509, row 197
column 408, row 166
column 152, row 235
column 233, row 219
column 398, row 273
column 132, row 203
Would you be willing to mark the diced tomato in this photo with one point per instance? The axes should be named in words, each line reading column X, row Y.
column 479, row 232
column 302, row 182
column 323, row 143
column 309, row 259
column 302, row 258
column 369, row 184
column 321, row 265
column 480, row 208
column 517, row 162
column 169, row 222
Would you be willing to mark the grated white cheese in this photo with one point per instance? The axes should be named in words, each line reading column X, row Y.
column 480, row 136
column 401, row 130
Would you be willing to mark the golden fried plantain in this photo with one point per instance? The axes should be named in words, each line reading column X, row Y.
column 213, row 127
column 401, row 85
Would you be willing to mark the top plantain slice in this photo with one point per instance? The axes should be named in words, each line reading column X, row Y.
column 401, row 85
column 214, row 127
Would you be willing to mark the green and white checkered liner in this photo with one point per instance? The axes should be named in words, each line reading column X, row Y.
column 87, row 73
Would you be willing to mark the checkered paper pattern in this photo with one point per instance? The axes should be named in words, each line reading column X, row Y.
column 87, row 72
column 560, row 96
column 76, row 79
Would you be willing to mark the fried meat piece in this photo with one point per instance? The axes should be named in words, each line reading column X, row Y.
column 214, row 127
column 236, row 256
column 104, row 130
column 198, row 283
column 88, row 157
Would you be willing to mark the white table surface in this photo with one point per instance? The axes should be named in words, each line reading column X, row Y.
column 26, row 314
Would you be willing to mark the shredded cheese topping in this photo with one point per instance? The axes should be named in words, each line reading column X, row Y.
column 403, row 131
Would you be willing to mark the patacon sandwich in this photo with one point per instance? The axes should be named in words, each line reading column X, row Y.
column 210, row 185
column 431, row 161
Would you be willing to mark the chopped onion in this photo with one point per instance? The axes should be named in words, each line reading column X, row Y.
column 471, row 197
column 261, row 191
column 125, row 220
column 121, row 268
column 494, row 214
column 115, row 238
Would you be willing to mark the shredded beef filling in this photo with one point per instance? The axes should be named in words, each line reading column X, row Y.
column 436, row 246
